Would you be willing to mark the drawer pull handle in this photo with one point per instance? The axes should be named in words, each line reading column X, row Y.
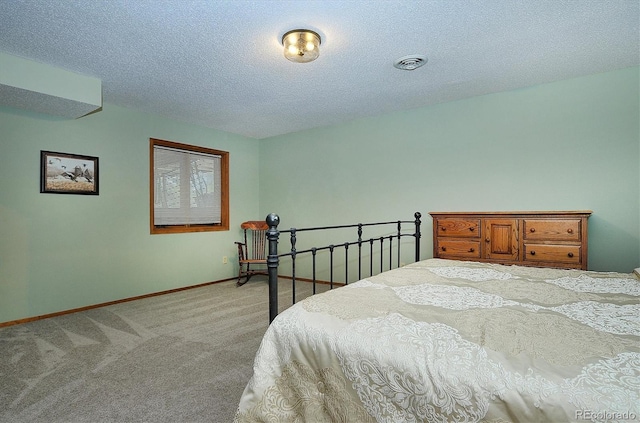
column 532, row 230
column 471, row 229
column 570, row 230
column 471, row 250
column 444, row 248
column 570, row 254
column 487, row 240
column 533, row 253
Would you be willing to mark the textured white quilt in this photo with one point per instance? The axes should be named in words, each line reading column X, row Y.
column 452, row 341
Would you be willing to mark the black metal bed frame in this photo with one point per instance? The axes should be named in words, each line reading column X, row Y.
column 273, row 258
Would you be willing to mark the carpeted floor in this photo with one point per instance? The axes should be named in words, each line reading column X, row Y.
column 180, row 357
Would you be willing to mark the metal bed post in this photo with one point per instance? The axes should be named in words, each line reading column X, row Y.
column 272, row 264
column 417, row 235
column 292, row 239
column 399, row 239
column 359, row 251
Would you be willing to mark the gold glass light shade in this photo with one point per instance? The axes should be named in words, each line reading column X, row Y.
column 301, row 45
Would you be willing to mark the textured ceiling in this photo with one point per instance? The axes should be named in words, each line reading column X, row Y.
column 220, row 63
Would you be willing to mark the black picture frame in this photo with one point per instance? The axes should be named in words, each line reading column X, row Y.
column 64, row 173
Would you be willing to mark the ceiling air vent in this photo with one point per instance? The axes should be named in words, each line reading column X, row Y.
column 410, row 62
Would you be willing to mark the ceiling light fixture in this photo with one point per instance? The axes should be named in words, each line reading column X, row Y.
column 301, row 45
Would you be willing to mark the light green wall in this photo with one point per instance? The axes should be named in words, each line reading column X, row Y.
column 567, row 145
column 59, row 252
column 27, row 75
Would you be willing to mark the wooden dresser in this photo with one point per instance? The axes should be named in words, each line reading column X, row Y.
column 528, row 238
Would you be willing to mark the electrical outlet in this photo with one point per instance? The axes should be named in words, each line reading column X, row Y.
column 225, row 260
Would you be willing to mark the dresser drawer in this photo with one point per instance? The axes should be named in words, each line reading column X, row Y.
column 458, row 228
column 569, row 254
column 552, row 229
column 458, row 249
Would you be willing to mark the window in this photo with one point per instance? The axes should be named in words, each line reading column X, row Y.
column 189, row 188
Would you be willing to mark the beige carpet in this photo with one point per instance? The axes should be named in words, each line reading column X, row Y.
column 181, row 357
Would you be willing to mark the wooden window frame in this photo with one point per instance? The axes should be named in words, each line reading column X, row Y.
column 224, row 190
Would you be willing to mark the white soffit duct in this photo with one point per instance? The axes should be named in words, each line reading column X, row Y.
column 40, row 88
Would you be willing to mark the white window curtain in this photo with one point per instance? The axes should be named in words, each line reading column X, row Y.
column 187, row 187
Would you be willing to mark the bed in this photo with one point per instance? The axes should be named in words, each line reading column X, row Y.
column 451, row 341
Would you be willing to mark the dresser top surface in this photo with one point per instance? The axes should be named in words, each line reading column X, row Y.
column 515, row 213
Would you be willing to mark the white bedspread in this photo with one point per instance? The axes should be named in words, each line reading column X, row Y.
column 452, row 341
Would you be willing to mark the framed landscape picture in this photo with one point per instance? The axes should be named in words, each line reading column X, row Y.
column 62, row 173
